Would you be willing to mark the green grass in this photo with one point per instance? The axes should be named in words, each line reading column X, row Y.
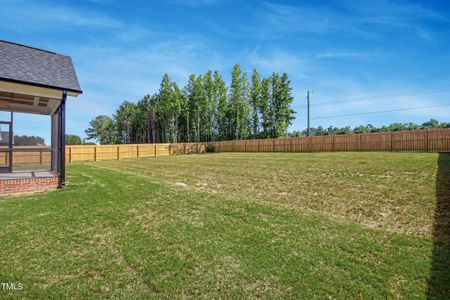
column 340, row 225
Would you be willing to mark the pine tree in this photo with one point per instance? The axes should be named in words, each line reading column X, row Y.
column 192, row 109
column 222, row 121
column 151, row 120
column 141, row 112
column 264, row 108
column 199, row 103
column 175, row 111
column 245, row 108
column 165, row 107
column 280, row 113
column 239, row 107
column 184, row 117
column 255, row 96
column 97, row 130
column 208, row 107
column 286, row 114
column 196, row 106
column 274, row 110
column 124, row 118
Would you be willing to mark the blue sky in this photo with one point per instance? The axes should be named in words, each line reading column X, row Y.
column 339, row 49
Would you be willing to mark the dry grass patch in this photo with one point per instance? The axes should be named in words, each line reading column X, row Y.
column 393, row 191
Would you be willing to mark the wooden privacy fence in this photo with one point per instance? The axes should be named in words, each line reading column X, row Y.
column 433, row 140
column 24, row 155
column 111, row 152
column 27, row 155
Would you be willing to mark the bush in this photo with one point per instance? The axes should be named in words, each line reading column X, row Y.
column 209, row 148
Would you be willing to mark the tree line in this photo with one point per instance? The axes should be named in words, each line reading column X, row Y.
column 73, row 139
column 204, row 110
column 332, row 130
column 28, row 140
column 31, row 140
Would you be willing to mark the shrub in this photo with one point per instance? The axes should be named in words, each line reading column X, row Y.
column 209, row 148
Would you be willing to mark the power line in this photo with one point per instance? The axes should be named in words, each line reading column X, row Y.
column 381, row 97
column 380, row 111
column 302, row 105
column 387, row 95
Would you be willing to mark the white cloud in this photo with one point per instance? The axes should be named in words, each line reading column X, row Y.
column 276, row 19
column 393, row 12
column 279, row 18
column 56, row 17
column 341, row 54
column 273, row 60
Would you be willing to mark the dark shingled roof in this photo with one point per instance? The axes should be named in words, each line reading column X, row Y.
column 20, row 63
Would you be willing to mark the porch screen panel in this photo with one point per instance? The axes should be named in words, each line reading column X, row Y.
column 56, row 157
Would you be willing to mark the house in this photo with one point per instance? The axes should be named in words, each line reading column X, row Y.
column 34, row 81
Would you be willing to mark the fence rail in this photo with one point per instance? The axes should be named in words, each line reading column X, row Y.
column 433, row 140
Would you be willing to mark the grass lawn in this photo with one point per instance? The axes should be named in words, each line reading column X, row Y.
column 312, row 225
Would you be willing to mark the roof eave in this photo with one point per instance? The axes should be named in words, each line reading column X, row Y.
column 42, row 85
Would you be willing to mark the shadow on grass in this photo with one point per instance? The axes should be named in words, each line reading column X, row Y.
column 439, row 282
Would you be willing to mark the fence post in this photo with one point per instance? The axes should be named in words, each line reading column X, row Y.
column 118, row 153
column 95, row 153
column 137, row 151
column 426, row 140
column 332, row 144
column 245, row 146
column 390, row 140
column 155, row 150
column 40, row 156
column 273, row 145
column 359, row 142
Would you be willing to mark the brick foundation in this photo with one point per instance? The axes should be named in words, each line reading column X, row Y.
column 28, row 185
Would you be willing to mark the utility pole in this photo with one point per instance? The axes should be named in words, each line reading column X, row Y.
column 307, row 98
